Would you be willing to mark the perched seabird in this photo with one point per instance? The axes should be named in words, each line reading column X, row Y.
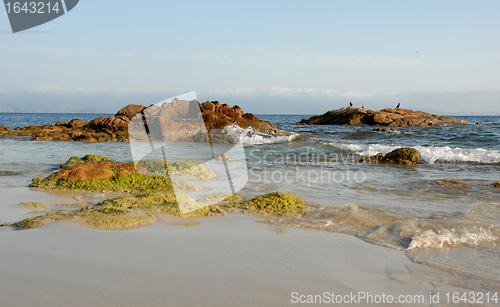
column 399, row 104
column 350, row 104
column 363, row 107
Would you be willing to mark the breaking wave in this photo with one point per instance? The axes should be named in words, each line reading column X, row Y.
column 453, row 237
column 250, row 136
column 430, row 154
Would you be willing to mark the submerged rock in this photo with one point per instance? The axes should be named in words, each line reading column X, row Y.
column 495, row 185
column 34, row 205
column 384, row 117
column 449, row 182
column 275, row 203
column 222, row 157
column 140, row 210
column 400, row 156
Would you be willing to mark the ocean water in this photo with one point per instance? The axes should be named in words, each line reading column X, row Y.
column 453, row 227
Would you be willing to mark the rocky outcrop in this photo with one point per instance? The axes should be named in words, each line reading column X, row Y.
column 115, row 128
column 400, row 156
column 218, row 116
column 384, row 117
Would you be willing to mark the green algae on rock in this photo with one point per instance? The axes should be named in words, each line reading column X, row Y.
column 98, row 174
column 34, row 205
column 400, row 156
column 124, row 184
column 174, row 168
column 85, row 159
column 127, row 212
column 275, row 203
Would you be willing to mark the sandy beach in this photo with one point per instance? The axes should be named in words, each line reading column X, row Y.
column 223, row 261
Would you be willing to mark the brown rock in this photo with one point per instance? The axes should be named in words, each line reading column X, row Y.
column 87, row 171
column 62, row 123
column 400, row 156
column 384, row 117
column 129, row 169
column 130, row 111
column 76, row 123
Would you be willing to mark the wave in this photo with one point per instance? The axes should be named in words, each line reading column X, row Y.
column 453, row 237
column 250, row 136
column 430, row 154
column 477, row 226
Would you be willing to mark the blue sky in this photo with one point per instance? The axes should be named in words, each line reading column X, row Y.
column 281, row 57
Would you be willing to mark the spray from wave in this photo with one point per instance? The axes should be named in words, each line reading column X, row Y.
column 250, row 136
column 430, row 154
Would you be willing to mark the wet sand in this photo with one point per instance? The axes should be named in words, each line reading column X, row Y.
column 224, row 261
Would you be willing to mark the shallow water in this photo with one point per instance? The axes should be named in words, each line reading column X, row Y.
column 397, row 207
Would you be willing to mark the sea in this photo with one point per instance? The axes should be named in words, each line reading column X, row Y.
column 443, row 213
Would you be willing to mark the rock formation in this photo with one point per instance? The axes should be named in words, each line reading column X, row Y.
column 115, row 128
column 385, row 117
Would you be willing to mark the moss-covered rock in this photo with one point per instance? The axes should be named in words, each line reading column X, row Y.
column 85, row 159
column 98, row 174
column 186, row 169
column 275, row 203
column 125, row 184
column 400, row 156
column 33, row 205
column 127, row 212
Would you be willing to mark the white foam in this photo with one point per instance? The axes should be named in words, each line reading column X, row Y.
column 250, row 136
column 430, row 154
column 453, row 237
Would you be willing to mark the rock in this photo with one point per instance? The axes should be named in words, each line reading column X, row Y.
column 62, row 123
column 85, row 159
column 218, row 116
column 400, row 156
column 495, row 185
column 129, row 169
column 478, row 123
column 387, row 130
column 86, row 172
column 450, row 182
column 385, row 117
column 275, row 203
column 222, row 157
column 76, row 123
column 177, row 117
column 130, row 111
column 33, row 205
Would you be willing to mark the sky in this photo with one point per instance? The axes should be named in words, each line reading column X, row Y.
column 269, row 57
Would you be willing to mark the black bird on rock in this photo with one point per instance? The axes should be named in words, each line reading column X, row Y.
column 350, row 104
column 399, row 104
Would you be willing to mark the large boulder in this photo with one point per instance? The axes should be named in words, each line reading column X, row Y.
column 130, row 111
column 384, row 117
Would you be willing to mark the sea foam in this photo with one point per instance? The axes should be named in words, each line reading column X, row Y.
column 250, row 136
column 430, row 154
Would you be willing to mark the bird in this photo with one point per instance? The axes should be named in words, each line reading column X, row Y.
column 350, row 104
column 363, row 107
column 399, row 104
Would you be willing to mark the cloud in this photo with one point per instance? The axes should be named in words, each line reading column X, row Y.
column 281, row 91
